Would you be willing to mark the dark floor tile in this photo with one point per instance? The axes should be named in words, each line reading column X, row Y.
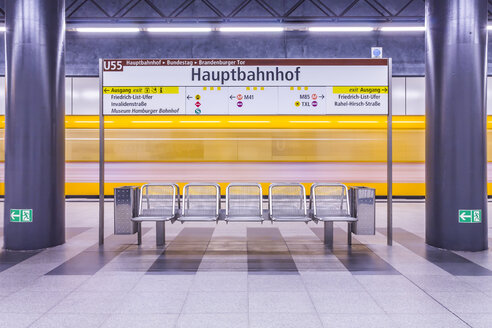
column 184, row 253
column 357, row 258
column 96, row 257
column 261, row 258
column 445, row 259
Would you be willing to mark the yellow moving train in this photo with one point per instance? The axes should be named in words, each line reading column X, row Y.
column 348, row 149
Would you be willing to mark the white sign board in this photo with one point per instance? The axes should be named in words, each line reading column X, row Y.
column 245, row 87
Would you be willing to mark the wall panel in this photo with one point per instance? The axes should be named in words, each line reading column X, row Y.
column 415, row 96
column 86, row 96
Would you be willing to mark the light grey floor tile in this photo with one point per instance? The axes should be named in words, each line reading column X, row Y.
column 169, row 283
column 386, row 283
column 442, row 283
column 417, row 266
column 30, row 302
column 464, row 302
column 275, row 283
column 141, row 321
column 152, row 302
column 345, row 302
column 11, row 283
column 215, row 320
column 109, row 283
column 284, row 320
column 17, row 320
column 280, row 302
column 220, row 282
column 418, row 302
column 483, row 283
column 50, row 320
column 357, row 321
column 56, row 283
column 331, row 281
column 477, row 320
column 428, row 320
column 216, row 302
column 90, row 302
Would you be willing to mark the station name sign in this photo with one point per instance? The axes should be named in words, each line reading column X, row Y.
column 245, row 86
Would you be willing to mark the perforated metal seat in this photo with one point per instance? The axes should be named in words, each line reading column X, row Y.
column 158, row 203
column 201, row 202
column 330, row 203
column 287, row 202
column 244, row 202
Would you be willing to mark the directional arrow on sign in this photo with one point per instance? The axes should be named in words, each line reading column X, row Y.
column 322, row 96
column 14, row 217
column 232, row 97
column 385, row 89
column 463, row 216
column 106, row 89
column 188, row 97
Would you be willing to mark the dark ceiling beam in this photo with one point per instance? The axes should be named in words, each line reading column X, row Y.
column 291, row 14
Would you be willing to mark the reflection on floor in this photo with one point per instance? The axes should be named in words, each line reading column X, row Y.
column 245, row 275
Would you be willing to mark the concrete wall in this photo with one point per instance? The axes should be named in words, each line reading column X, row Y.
column 84, row 50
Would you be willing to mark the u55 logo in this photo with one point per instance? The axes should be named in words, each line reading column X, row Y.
column 113, row 65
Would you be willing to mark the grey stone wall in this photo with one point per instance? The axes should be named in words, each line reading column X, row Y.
column 84, row 50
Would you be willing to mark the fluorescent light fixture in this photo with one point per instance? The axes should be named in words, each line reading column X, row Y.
column 2, row 29
column 489, row 27
column 179, row 29
column 251, row 29
column 341, row 29
column 107, row 29
column 403, row 28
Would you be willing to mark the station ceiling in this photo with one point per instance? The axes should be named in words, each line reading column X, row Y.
column 220, row 11
column 230, row 11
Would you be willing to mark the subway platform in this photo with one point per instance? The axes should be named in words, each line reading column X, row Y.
column 245, row 275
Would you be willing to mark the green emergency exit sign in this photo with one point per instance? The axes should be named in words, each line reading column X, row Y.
column 470, row 216
column 20, row 215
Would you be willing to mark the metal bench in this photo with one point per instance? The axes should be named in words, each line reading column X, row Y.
column 201, row 202
column 157, row 203
column 330, row 203
column 244, row 203
column 287, row 203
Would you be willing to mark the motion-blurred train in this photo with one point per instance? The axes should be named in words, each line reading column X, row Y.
column 264, row 149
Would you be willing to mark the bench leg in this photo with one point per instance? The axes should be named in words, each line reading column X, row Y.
column 160, row 234
column 139, row 233
column 349, row 233
column 328, row 233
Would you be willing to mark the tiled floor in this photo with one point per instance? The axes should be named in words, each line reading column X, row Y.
column 245, row 275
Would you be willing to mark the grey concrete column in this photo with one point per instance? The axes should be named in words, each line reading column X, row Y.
column 35, row 127
column 456, row 161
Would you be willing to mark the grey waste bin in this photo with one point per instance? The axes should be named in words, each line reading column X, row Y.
column 363, row 207
column 125, row 208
